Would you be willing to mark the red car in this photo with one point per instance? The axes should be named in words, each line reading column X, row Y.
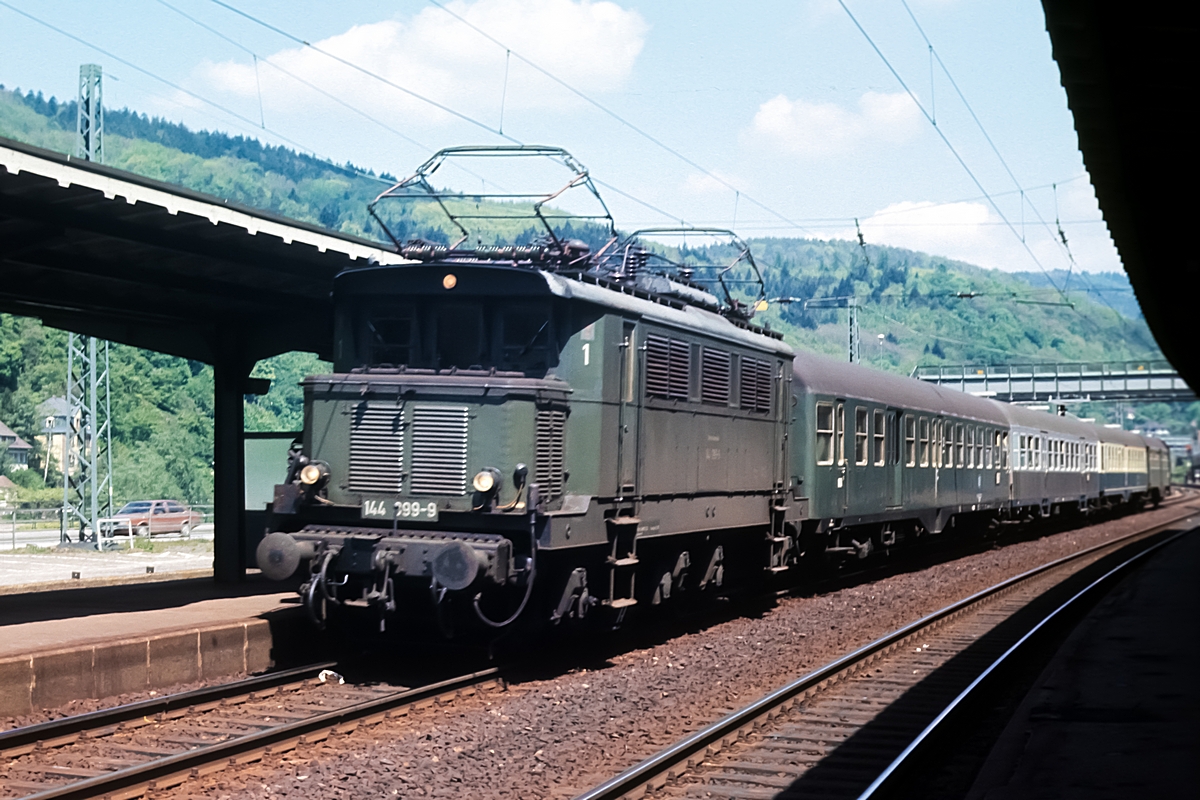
column 148, row 517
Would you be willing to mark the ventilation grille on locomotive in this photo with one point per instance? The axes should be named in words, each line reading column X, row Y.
column 439, row 450
column 668, row 367
column 714, row 377
column 551, row 451
column 377, row 448
column 756, row 385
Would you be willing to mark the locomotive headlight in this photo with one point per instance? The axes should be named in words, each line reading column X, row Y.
column 313, row 473
column 486, row 480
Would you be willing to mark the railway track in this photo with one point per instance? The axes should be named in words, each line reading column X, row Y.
column 857, row 727
column 127, row 751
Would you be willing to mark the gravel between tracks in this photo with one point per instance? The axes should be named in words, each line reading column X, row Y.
column 555, row 737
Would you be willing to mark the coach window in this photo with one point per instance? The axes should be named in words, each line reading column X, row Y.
column 1004, row 451
column 910, row 440
column 824, row 433
column 860, row 435
column 880, row 430
column 924, row 452
column 960, row 446
column 841, row 433
column 971, row 462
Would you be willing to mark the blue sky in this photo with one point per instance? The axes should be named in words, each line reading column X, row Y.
column 787, row 102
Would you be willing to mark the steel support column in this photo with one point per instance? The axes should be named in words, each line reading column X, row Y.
column 229, row 494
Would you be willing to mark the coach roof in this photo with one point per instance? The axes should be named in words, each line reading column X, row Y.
column 817, row 374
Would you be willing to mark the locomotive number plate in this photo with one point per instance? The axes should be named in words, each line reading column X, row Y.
column 400, row 509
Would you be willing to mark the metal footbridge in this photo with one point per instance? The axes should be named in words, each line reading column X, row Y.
column 1146, row 381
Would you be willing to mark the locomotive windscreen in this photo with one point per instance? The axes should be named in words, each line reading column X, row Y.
column 467, row 335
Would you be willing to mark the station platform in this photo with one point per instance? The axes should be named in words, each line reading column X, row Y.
column 64, row 644
column 1116, row 713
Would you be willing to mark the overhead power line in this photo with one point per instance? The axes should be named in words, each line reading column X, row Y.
column 1061, row 237
column 365, row 71
column 635, row 128
column 176, row 86
column 962, row 162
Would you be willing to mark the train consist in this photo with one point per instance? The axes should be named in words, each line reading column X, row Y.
column 546, row 432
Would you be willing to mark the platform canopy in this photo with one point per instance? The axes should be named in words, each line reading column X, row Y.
column 105, row 252
column 1130, row 74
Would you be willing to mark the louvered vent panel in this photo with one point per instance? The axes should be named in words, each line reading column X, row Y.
column 714, row 377
column 756, row 385
column 551, row 451
column 681, row 369
column 439, row 450
column 668, row 367
column 658, row 359
column 377, row 448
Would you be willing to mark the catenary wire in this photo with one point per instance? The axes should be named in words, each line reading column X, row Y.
column 996, row 150
column 636, row 129
column 179, row 88
column 954, row 151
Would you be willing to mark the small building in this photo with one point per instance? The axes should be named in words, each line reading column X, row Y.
column 55, row 437
column 8, row 491
column 18, row 448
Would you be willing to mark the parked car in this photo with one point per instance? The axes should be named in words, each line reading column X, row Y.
column 148, row 517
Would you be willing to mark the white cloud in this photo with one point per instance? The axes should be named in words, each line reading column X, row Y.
column 975, row 233
column 591, row 45
column 820, row 129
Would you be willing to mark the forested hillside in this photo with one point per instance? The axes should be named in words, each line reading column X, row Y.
column 929, row 310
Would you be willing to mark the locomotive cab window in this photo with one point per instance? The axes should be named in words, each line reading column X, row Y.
column 444, row 335
column 389, row 334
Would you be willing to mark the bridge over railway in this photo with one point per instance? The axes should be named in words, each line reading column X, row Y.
column 110, row 254
column 1146, row 381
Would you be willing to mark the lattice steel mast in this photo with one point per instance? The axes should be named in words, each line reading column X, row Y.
column 88, row 490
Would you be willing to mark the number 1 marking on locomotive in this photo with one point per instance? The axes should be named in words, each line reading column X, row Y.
column 587, row 353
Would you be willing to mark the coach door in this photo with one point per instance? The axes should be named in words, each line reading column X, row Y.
column 839, row 442
column 630, row 413
column 895, row 472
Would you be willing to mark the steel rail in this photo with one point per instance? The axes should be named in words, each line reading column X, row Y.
column 891, row 775
column 160, row 773
column 683, row 752
column 58, row 729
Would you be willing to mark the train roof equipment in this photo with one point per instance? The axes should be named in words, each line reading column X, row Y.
column 638, row 264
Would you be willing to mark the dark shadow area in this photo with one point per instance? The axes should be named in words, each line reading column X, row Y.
column 88, row 601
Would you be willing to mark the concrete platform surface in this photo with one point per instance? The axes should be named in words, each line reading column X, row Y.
column 58, row 646
column 1116, row 714
column 17, row 569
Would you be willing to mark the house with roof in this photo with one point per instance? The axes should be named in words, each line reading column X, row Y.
column 55, row 438
column 8, row 491
column 18, row 448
